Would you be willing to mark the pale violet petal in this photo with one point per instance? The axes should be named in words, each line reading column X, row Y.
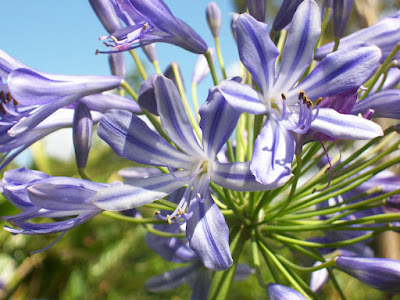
column 299, row 47
column 242, row 97
column 273, row 154
column 342, row 126
column 256, row 50
column 139, row 192
column 131, row 138
column 340, row 71
column 208, row 235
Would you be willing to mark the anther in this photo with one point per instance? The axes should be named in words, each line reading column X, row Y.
column 15, row 102
column 157, row 212
column 301, row 95
column 3, row 96
column 309, row 103
column 2, row 108
column 169, row 219
column 145, row 26
column 9, row 98
column 181, row 211
column 198, row 195
column 283, row 96
column 319, row 100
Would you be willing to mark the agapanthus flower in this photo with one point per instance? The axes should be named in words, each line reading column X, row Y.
column 277, row 291
column 213, row 16
column 385, row 34
column 149, row 21
column 380, row 273
column 193, row 165
column 176, row 250
column 287, row 104
column 40, row 195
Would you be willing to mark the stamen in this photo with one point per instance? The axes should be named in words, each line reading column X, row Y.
column 114, row 38
column 301, row 95
column 319, row 100
column 15, row 102
column 145, row 26
column 3, row 96
column 49, row 246
column 169, row 219
column 157, row 212
column 9, row 98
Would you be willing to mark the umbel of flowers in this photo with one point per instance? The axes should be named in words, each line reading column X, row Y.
column 266, row 168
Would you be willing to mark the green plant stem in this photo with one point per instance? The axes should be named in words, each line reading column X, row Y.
column 138, row 63
column 211, row 66
column 120, row 217
column 129, row 90
column 157, row 67
column 163, row 233
column 220, row 59
column 195, row 101
column 256, row 260
column 185, row 101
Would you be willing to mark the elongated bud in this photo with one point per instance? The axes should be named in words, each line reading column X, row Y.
column 201, row 69
column 213, row 14
column 279, row 292
column 341, row 15
column 257, row 9
column 380, row 273
column 117, row 64
column 82, row 134
column 151, row 52
column 285, row 14
column 104, row 9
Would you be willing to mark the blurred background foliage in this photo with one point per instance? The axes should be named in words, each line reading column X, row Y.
column 108, row 259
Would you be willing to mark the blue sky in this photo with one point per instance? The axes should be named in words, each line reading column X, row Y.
column 61, row 36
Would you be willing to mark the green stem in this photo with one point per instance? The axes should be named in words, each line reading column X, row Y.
column 138, row 64
column 157, row 67
column 211, row 66
column 195, row 101
column 256, row 260
column 163, row 233
column 220, row 59
column 120, row 217
column 130, row 91
column 185, row 101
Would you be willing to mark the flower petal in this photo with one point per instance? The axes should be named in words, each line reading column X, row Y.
column 340, row 71
column 218, row 121
column 131, row 138
column 386, row 104
column 139, row 192
column 273, row 154
column 256, row 50
column 238, row 177
column 299, row 47
column 242, row 97
column 173, row 116
column 341, row 126
column 208, row 235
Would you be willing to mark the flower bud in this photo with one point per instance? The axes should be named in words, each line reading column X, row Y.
column 279, row 292
column 151, row 52
column 341, row 15
column 82, row 134
column 213, row 14
column 380, row 273
column 257, row 9
column 285, row 14
column 104, row 9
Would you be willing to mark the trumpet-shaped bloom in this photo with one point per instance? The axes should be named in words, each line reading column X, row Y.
column 341, row 15
column 193, row 165
column 149, row 21
column 40, row 195
column 288, row 105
